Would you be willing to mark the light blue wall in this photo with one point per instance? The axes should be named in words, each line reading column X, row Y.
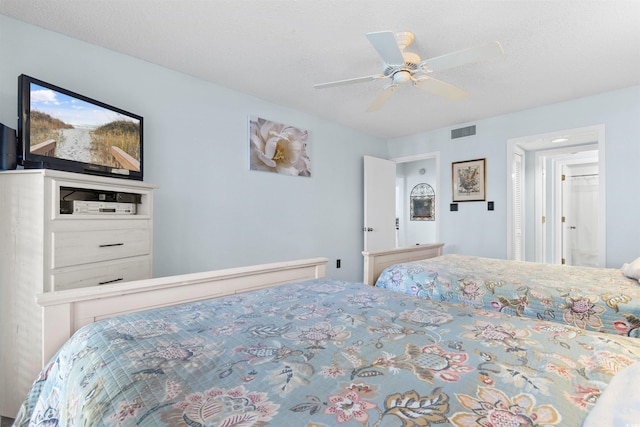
column 474, row 230
column 210, row 210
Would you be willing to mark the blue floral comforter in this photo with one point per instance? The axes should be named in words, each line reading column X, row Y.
column 600, row 299
column 325, row 353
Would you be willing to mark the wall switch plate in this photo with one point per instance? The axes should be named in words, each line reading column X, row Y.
column 490, row 206
column 338, row 263
column 453, row 207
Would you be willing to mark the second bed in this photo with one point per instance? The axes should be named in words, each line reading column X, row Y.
column 600, row 299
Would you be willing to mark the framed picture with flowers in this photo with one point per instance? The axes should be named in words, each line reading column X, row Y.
column 468, row 180
column 279, row 148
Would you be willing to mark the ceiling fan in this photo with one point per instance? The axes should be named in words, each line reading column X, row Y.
column 401, row 66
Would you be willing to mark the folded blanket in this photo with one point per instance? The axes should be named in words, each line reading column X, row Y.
column 632, row 270
column 619, row 404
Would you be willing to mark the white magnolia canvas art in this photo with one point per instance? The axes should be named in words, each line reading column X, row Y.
column 279, row 148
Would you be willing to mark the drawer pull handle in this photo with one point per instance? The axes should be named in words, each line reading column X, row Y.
column 111, row 281
column 111, row 244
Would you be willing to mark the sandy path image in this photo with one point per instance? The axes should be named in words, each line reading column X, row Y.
column 76, row 145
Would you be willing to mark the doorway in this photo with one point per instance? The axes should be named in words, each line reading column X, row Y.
column 379, row 199
column 542, row 235
column 413, row 170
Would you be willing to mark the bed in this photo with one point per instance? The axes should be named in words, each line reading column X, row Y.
column 599, row 299
column 316, row 352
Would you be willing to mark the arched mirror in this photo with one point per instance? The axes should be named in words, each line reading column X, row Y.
column 422, row 203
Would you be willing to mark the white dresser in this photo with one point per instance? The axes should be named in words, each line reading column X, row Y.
column 46, row 248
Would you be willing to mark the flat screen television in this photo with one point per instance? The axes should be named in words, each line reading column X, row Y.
column 60, row 129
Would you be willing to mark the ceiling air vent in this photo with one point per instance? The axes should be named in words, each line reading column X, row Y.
column 461, row 132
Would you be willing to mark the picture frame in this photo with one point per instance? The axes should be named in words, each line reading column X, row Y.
column 278, row 148
column 468, row 180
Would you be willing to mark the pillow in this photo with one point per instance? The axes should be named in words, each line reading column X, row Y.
column 618, row 403
column 632, row 270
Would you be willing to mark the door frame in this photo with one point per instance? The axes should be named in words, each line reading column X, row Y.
column 427, row 156
column 513, row 142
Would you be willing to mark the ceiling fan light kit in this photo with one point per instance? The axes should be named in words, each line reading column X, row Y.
column 401, row 76
column 401, row 67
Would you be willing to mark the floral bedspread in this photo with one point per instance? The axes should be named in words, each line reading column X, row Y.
column 325, row 353
column 599, row 299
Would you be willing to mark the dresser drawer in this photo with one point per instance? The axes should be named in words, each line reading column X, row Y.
column 75, row 247
column 102, row 273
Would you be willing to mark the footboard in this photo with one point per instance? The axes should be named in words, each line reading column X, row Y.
column 64, row 312
column 376, row 261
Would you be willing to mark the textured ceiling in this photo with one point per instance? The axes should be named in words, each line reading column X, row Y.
column 277, row 50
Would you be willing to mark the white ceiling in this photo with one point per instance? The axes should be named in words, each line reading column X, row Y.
column 277, row 49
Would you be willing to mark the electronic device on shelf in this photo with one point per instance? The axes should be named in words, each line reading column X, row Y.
column 96, row 208
column 8, row 148
column 60, row 129
column 75, row 200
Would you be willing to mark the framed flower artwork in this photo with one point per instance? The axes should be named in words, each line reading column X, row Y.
column 279, row 148
column 469, row 180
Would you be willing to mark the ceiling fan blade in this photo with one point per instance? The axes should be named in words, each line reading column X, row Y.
column 387, row 46
column 466, row 56
column 440, row 88
column 382, row 97
column 349, row 81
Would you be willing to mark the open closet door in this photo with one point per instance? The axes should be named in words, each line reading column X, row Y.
column 379, row 204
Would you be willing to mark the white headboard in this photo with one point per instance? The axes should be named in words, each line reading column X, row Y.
column 64, row 312
column 376, row 261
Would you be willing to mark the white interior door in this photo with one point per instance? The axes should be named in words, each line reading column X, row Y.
column 580, row 212
column 379, row 204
